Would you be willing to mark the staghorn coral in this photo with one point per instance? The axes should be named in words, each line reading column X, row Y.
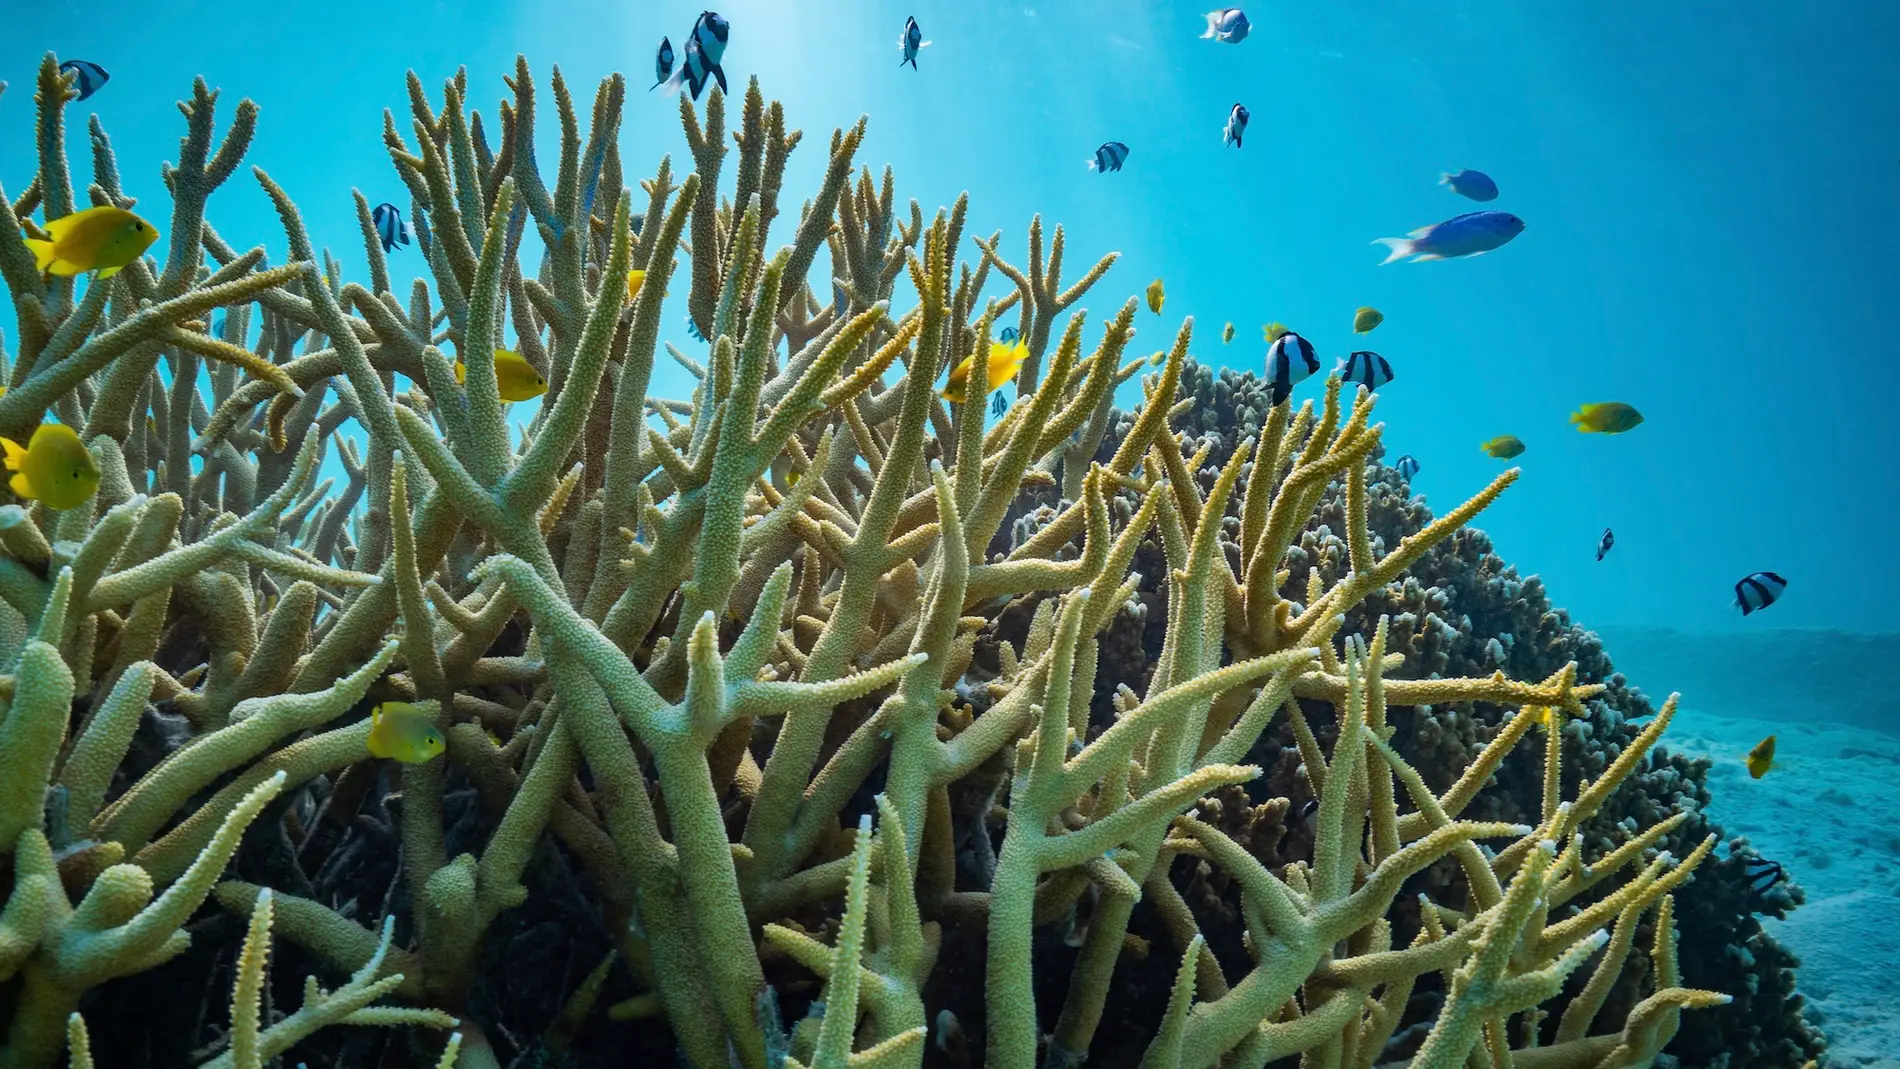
column 683, row 652
column 1463, row 611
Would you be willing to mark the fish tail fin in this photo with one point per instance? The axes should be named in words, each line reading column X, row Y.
column 43, row 255
column 1213, row 25
column 1093, row 166
column 1444, row 178
column 1401, row 248
column 1579, row 419
column 673, row 82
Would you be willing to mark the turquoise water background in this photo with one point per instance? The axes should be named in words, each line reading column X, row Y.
column 1710, row 191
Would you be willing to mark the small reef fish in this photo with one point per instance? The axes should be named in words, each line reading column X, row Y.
column 400, row 731
column 1290, row 361
column 515, row 378
column 88, row 77
column 1365, row 319
column 1365, row 368
column 705, row 48
column 1604, row 543
column 1757, row 868
column 390, row 229
column 1272, row 331
column 1156, row 295
column 692, row 329
column 1229, row 24
column 1008, row 335
column 1756, row 591
column 102, row 239
column 1227, row 334
column 1606, row 417
column 635, row 279
column 910, row 41
column 1468, row 183
column 1504, row 447
column 1109, row 157
column 1408, row 467
column 998, row 406
column 54, row 467
column 1470, row 234
column 1542, row 716
column 662, row 64
column 1236, row 127
column 1005, row 361
column 1761, row 758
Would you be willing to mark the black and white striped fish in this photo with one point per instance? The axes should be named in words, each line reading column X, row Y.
column 1236, row 125
column 390, row 229
column 1604, row 543
column 1408, row 467
column 88, row 77
column 910, row 41
column 1758, row 591
column 1109, row 157
column 998, row 406
column 705, row 47
column 662, row 64
column 1760, row 869
column 1290, row 361
column 1365, row 368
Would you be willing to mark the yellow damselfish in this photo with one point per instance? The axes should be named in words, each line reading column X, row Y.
column 1365, row 319
column 402, row 732
column 1227, row 334
column 102, row 239
column 1272, row 331
column 1156, row 295
column 53, row 467
column 515, row 378
column 1606, row 417
column 635, row 279
column 1005, row 361
column 1762, row 757
column 1504, row 446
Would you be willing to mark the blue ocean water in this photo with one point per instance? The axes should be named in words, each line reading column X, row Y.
column 1710, row 193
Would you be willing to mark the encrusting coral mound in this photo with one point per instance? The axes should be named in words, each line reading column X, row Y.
column 779, row 726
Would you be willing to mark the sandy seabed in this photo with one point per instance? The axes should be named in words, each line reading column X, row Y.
column 1830, row 813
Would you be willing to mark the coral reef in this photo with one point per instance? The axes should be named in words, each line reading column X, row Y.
column 790, row 702
column 1462, row 610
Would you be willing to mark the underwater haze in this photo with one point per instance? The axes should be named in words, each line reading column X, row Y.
column 1711, row 193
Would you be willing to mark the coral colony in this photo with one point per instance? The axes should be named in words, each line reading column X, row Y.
column 807, row 721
